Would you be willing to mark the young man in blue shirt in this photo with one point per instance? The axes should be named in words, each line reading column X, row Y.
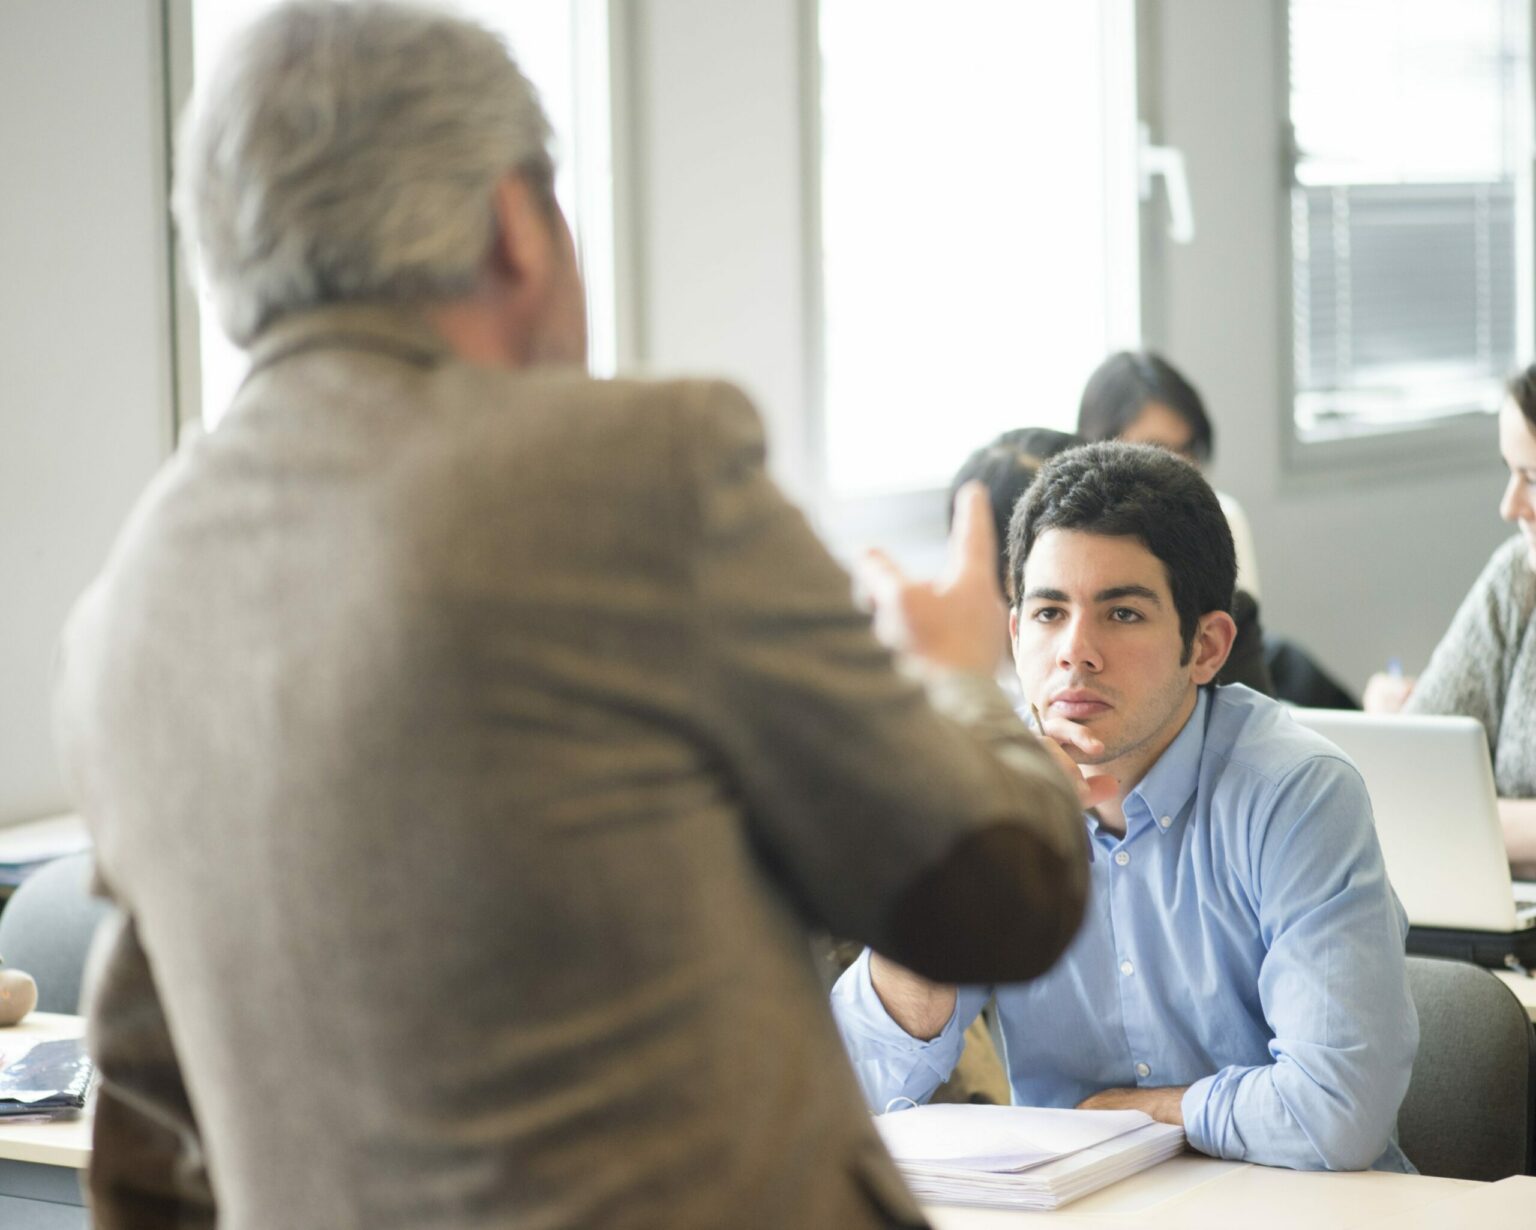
column 1240, row 969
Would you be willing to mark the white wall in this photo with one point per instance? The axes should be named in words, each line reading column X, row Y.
column 84, row 361
column 1358, row 567
column 719, row 215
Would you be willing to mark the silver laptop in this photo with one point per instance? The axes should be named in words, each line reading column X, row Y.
column 1431, row 787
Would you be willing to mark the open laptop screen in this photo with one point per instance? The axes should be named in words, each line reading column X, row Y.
column 1431, row 786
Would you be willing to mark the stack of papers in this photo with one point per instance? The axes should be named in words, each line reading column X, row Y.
column 26, row 847
column 1021, row 1157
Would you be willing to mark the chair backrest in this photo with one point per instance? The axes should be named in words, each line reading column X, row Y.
column 1470, row 1112
column 47, row 926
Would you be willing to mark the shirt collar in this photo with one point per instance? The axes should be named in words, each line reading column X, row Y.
column 1166, row 788
column 390, row 330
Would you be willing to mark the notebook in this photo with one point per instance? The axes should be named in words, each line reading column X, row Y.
column 1431, row 785
column 1020, row 1157
column 48, row 1078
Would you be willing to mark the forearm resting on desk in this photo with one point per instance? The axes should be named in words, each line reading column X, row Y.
column 922, row 1008
column 1519, row 820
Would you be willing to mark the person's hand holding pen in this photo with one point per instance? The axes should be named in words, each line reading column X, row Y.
column 1091, row 791
column 1387, row 691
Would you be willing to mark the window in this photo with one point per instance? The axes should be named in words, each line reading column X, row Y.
column 562, row 45
column 978, row 217
column 1410, row 210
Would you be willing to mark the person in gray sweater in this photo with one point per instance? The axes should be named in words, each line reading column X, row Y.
column 1485, row 665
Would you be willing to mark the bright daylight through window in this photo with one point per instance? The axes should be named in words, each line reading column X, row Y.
column 562, row 46
column 978, row 225
column 1410, row 210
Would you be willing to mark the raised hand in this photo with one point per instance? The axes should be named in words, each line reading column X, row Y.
column 958, row 621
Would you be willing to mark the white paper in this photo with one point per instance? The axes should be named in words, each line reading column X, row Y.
column 38, row 840
column 1006, row 1139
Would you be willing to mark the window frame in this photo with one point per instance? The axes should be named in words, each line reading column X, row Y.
column 1456, row 440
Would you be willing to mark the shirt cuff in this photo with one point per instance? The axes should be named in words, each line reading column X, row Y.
column 889, row 1061
column 1201, row 1108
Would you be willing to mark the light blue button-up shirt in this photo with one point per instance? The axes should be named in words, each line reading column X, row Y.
column 1241, row 939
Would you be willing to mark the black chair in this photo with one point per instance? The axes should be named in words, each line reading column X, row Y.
column 47, row 927
column 1470, row 1112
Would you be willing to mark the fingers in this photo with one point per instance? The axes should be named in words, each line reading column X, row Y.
column 879, row 576
column 973, row 539
column 888, row 590
column 1387, row 693
column 1091, row 791
column 1070, row 734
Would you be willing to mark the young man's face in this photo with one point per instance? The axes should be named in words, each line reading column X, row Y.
column 1096, row 642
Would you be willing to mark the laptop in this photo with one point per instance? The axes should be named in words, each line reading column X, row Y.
column 1431, row 785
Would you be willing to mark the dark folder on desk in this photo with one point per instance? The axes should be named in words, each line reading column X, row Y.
column 1431, row 785
column 50, row 1078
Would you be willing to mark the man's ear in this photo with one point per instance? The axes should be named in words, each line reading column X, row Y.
column 1214, row 635
column 523, row 253
column 1013, row 626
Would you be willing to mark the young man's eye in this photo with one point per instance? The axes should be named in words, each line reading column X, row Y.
column 1125, row 615
column 1045, row 614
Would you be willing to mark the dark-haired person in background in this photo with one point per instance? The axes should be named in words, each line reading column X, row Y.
column 1138, row 397
column 1485, row 665
column 1007, row 466
column 1240, row 970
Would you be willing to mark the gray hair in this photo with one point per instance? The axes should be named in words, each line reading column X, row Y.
column 350, row 151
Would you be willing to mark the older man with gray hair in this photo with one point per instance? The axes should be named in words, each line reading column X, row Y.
column 471, row 745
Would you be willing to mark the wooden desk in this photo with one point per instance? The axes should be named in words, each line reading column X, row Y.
column 1199, row 1193
column 1524, row 987
column 40, row 1163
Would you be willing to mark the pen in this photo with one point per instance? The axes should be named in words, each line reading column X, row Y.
column 1035, row 713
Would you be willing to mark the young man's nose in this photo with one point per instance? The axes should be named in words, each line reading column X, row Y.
column 1078, row 647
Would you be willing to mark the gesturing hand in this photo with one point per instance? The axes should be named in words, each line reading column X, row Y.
column 958, row 621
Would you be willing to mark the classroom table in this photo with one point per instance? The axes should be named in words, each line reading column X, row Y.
column 41, row 1163
column 1524, row 987
column 1191, row 1192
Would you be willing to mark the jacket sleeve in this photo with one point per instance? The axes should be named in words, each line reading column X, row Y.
column 925, row 822
column 147, row 1168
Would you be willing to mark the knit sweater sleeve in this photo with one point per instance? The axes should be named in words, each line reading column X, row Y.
column 1471, row 669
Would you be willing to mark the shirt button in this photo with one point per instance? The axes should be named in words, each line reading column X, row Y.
column 1127, row 968
column 1165, row 821
column 1122, row 857
column 1143, row 1071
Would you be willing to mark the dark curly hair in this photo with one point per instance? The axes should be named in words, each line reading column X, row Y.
column 1141, row 492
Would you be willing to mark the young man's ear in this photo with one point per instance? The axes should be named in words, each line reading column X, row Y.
column 1214, row 635
column 1013, row 625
